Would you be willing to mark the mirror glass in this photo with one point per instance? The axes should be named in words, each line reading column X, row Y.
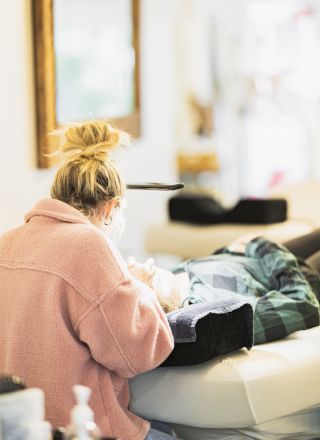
column 94, row 59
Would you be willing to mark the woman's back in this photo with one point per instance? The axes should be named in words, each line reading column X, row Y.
column 65, row 299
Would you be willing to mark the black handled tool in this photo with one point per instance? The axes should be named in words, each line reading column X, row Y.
column 156, row 186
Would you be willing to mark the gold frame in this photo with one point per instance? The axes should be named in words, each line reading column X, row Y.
column 45, row 87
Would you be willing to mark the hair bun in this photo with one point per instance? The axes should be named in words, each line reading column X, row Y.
column 91, row 140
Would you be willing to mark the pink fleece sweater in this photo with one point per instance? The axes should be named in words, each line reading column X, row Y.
column 71, row 313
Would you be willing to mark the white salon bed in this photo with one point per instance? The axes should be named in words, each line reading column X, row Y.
column 270, row 392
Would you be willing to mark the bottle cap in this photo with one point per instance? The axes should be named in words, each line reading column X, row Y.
column 81, row 414
column 82, row 394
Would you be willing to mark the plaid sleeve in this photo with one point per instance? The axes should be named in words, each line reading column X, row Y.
column 290, row 304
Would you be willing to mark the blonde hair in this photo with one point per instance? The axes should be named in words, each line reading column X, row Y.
column 89, row 177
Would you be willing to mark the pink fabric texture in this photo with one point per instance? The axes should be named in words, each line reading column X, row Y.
column 71, row 313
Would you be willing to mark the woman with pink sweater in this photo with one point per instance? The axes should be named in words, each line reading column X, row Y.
column 71, row 310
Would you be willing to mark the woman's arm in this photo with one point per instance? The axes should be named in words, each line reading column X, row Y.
column 123, row 324
column 127, row 331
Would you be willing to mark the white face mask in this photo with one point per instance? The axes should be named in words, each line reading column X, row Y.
column 116, row 228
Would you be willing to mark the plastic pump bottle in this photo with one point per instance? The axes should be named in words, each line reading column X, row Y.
column 82, row 426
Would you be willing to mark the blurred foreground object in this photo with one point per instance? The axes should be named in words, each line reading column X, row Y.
column 21, row 411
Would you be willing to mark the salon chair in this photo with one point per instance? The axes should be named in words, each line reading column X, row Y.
column 271, row 392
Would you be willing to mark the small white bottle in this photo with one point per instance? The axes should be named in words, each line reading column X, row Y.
column 82, row 426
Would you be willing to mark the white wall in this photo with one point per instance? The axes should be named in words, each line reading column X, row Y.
column 151, row 158
column 20, row 184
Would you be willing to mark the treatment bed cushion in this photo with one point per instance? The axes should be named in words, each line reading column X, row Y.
column 303, row 425
column 237, row 390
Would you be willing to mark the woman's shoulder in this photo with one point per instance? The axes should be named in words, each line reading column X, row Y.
column 96, row 248
column 87, row 239
column 87, row 259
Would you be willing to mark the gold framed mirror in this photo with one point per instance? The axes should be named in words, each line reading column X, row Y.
column 86, row 66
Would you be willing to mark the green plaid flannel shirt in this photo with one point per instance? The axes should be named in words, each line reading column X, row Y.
column 269, row 274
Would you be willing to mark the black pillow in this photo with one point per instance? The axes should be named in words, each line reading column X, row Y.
column 205, row 210
column 219, row 329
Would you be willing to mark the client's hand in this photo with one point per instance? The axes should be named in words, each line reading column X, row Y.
column 143, row 272
column 161, row 281
column 165, row 285
column 239, row 246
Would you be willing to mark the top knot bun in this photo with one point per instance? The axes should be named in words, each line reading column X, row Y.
column 92, row 140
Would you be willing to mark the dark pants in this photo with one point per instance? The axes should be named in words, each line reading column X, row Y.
column 307, row 247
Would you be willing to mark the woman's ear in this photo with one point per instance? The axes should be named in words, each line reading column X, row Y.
column 109, row 207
